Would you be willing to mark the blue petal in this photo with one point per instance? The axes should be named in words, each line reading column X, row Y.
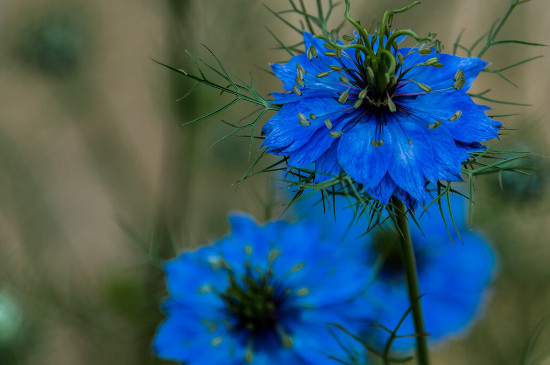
column 473, row 125
column 283, row 131
column 438, row 78
column 384, row 190
column 327, row 165
column 413, row 160
column 357, row 155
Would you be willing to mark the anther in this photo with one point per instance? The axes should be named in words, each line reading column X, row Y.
column 335, row 68
column 363, row 93
column 334, row 35
column 336, row 134
column 323, row 74
column 425, row 51
column 410, row 142
column 300, row 82
column 358, row 103
column 312, row 52
column 344, row 79
column 437, row 64
column 376, row 143
column 424, row 87
column 303, row 120
column 330, row 54
column 344, row 97
column 347, row 38
column 456, row 115
column 431, row 61
column 329, row 46
column 296, row 90
column 312, row 116
column 300, row 69
column 434, row 125
column 391, row 105
column 328, row 123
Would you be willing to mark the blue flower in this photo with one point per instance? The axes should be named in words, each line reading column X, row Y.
column 262, row 295
column 392, row 119
column 453, row 277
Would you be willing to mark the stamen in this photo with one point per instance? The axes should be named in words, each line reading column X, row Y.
column 358, row 103
column 301, row 69
column 330, row 54
column 456, row 115
column 312, row 116
column 376, row 143
column 434, row 125
column 347, row 38
column 344, row 79
column 363, row 93
column 323, row 74
column 335, row 68
column 438, row 64
column 342, row 99
column 425, row 51
column 296, row 90
column 302, row 119
column 336, row 134
column 311, row 52
column 410, row 142
column 300, row 82
column 431, row 61
column 328, row 123
column 460, row 79
column 216, row 341
column 391, row 105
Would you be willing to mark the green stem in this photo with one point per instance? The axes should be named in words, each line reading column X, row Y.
column 411, row 275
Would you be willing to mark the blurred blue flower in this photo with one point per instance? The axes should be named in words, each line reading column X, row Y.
column 408, row 122
column 262, row 295
column 453, row 277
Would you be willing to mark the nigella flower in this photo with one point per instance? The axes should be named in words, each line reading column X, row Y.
column 392, row 118
column 261, row 295
column 453, row 277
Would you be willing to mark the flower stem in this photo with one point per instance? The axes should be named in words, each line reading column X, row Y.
column 409, row 265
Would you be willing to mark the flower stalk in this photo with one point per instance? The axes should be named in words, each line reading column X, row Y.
column 411, row 277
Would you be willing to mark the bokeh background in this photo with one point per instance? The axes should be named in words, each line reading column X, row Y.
column 99, row 182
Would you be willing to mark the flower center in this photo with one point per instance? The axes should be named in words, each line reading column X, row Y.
column 254, row 303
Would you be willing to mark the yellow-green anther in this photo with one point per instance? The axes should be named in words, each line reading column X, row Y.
column 336, row 134
column 344, row 79
column 459, row 84
column 431, row 61
column 323, row 74
column 391, row 105
column 400, row 58
column 338, row 53
column 300, row 74
column 358, row 103
column 456, row 115
column 328, row 123
column 300, row 82
column 329, row 46
column 438, row 64
column 425, row 51
column 300, row 69
column 424, row 87
column 334, row 35
column 335, row 68
column 347, row 38
column 344, row 97
column 376, row 143
column 303, row 120
column 459, row 75
column 410, row 142
column 363, row 93
column 312, row 116
column 296, row 90
column 330, row 54
column 434, row 125
column 312, row 52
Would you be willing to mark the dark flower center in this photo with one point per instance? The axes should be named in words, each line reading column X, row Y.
column 254, row 303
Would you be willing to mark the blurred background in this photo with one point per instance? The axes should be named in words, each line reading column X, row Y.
column 100, row 183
